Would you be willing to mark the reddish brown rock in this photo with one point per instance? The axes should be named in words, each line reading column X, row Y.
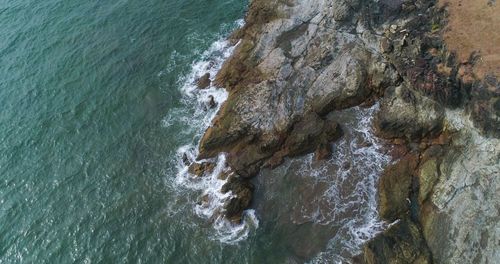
column 201, row 169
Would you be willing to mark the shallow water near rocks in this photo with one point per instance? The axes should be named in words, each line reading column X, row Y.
column 323, row 211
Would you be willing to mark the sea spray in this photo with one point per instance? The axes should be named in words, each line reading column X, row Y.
column 199, row 118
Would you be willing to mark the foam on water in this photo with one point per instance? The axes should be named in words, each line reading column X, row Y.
column 197, row 116
column 360, row 162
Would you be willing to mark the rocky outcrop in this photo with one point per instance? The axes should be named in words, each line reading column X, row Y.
column 294, row 64
column 434, row 187
column 204, row 81
column 462, row 210
column 241, row 197
column 297, row 61
column 200, row 169
column 404, row 113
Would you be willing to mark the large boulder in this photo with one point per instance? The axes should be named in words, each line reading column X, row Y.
column 204, row 81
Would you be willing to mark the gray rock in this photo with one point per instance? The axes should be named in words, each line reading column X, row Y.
column 342, row 84
column 464, row 227
column 341, row 10
column 404, row 113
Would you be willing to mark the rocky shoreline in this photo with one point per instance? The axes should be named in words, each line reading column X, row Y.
column 297, row 61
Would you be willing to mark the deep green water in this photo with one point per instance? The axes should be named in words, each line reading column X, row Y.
column 97, row 107
column 85, row 161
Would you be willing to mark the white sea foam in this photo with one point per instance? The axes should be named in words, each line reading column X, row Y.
column 197, row 115
column 355, row 212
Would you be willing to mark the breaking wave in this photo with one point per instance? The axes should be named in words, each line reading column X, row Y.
column 200, row 106
column 357, row 160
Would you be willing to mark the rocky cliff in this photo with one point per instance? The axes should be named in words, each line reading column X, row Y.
column 296, row 61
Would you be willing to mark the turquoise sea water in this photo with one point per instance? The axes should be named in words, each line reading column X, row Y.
column 85, row 161
column 97, row 107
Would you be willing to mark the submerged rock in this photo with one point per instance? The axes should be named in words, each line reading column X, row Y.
column 211, row 102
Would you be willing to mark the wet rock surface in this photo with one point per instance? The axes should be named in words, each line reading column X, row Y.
column 241, row 197
column 200, row 169
column 204, row 81
column 295, row 63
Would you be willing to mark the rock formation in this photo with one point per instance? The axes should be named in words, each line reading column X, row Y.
column 298, row 60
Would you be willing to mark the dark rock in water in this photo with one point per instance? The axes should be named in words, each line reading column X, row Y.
column 203, row 200
column 200, row 169
column 204, row 81
column 401, row 243
column 323, row 151
column 185, row 159
column 405, row 113
column 211, row 102
column 394, row 188
column 242, row 191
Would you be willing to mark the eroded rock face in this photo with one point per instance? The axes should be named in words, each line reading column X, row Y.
column 404, row 113
column 294, row 59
